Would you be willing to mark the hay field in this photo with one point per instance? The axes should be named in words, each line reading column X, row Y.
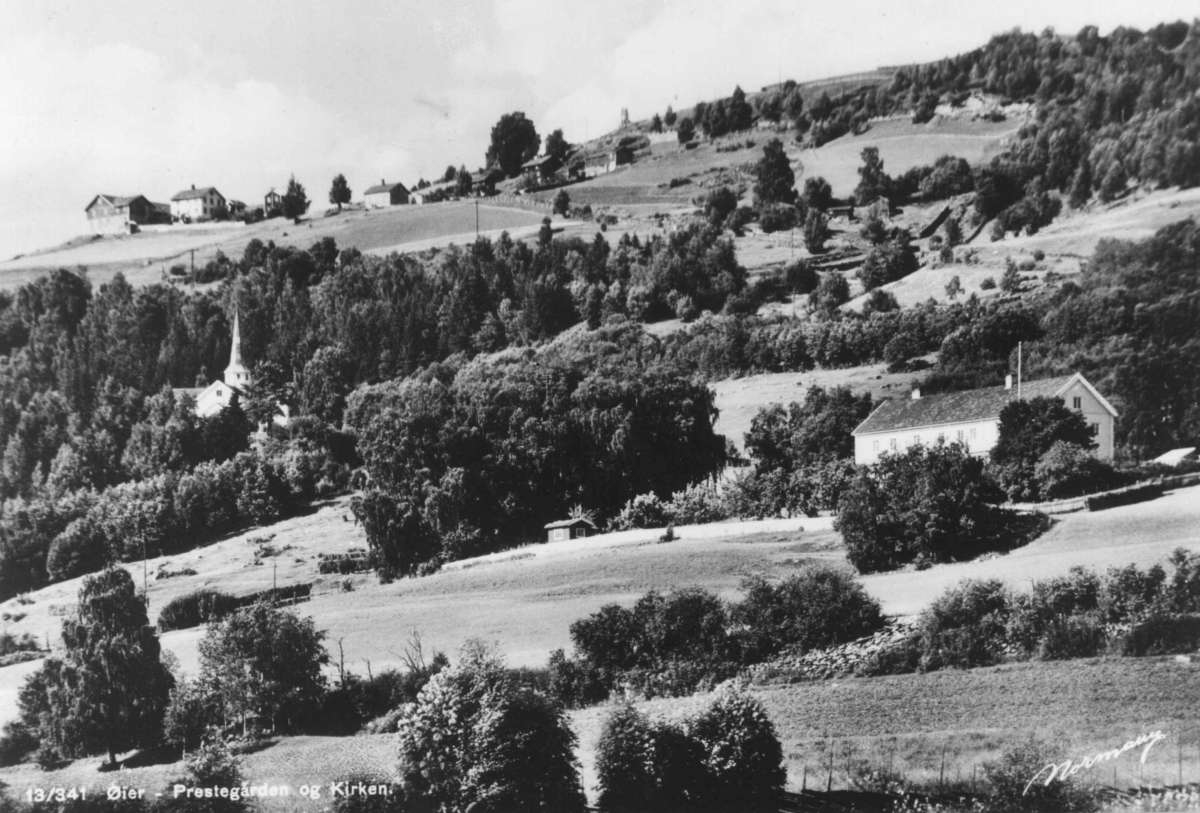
column 143, row 257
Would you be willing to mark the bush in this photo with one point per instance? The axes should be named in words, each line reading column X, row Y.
column 625, row 766
column 1072, row 636
column 1012, row 791
column 1162, row 634
column 1069, row 470
column 1030, row 614
column 1127, row 496
column 743, row 754
column 965, row 626
column 196, row 608
column 988, row 283
column 642, row 511
column 575, row 683
column 697, row 504
column 777, row 217
column 926, row 505
column 801, row 277
column 17, row 743
column 814, row 609
column 1130, row 594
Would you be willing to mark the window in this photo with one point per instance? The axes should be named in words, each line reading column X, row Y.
column 1095, row 427
column 1077, row 402
column 971, row 433
column 892, row 444
column 941, row 437
column 875, row 447
column 958, row 435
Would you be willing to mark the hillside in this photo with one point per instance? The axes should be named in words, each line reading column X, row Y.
column 525, row 599
column 143, row 257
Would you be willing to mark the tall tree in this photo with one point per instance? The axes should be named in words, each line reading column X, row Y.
column 557, row 148
column 872, row 181
column 339, row 192
column 776, row 182
column 295, row 200
column 686, row 130
column 514, row 141
column 265, row 662
column 109, row 691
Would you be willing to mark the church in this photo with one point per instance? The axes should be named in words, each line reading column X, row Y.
column 236, row 381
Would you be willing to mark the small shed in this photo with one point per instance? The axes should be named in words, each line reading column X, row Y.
column 386, row 194
column 564, row 529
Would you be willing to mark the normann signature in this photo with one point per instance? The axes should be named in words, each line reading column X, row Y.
column 1067, row 769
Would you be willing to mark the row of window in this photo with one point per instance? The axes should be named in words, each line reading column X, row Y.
column 963, row 436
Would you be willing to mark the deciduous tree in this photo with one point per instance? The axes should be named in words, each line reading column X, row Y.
column 339, row 192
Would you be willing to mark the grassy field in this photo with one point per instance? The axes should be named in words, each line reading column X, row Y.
column 924, row 726
column 526, row 598
column 902, row 146
column 739, row 399
column 142, row 257
column 909, row 721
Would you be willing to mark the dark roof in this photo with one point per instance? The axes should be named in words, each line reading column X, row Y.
column 956, row 407
column 115, row 200
column 188, row 194
column 534, row 163
column 569, row 523
column 384, row 187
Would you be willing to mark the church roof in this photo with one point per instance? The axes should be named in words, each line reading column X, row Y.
column 967, row 406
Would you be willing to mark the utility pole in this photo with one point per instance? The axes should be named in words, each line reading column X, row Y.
column 476, row 218
column 145, row 577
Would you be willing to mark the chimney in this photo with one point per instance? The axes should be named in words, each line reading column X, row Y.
column 381, row 182
column 1008, row 381
column 915, row 394
column 193, row 187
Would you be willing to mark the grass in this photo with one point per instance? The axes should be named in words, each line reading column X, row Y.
column 739, row 399
column 972, row 716
column 143, row 257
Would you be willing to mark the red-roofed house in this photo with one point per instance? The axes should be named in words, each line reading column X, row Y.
column 972, row 417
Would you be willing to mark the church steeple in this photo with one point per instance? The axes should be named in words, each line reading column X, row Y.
column 236, row 374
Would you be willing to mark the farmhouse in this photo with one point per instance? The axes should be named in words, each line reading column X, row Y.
column 564, row 529
column 192, row 204
column 386, row 194
column 117, row 214
column 972, row 417
column 539, row 171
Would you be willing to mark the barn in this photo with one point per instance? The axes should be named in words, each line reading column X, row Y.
column 386, row 194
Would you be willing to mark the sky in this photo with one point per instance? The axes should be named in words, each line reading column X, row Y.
column 149, row 98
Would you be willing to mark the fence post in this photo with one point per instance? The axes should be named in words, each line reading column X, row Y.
column 804, row 780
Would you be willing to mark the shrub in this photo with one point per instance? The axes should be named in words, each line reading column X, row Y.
column 1068, row 470
column 196, row 608
column 988, row 283
column 475, row 738
column 801, row 277
column 777, row 217
column 1030, row 614
column 1013, row 790
column 1072, row 636
column 926, row 505
column 17, row 743
column 1162, row 634
column 697, row 504
column 743, row 754
column 625, row 766
column 1130, row 594
column 814, row 609
column 965, row 626
column 575, row 683
column 642, row 511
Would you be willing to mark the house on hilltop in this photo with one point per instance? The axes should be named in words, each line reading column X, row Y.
column 972, row 417
column 119, row 214
column 194, row 204
column 386, row 194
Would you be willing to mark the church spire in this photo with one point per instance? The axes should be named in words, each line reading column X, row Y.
column 236, row 374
